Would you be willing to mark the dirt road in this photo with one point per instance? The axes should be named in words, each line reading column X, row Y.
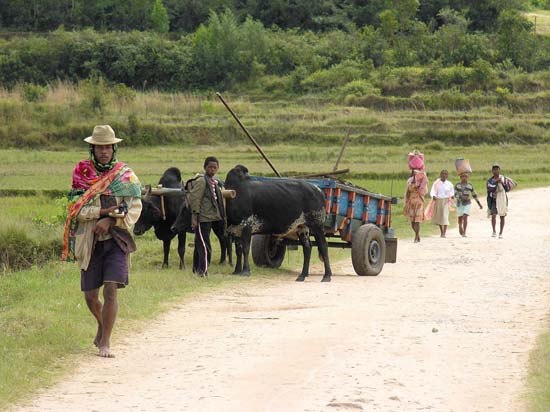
column 447, row 328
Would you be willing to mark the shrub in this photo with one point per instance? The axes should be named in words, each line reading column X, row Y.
column 481, row 76
column 335, row 76
column 18, row 251
column 277, row 86
column 33, row 92
column 453, row 76
column 448, row 100
column 403, row 81
column 526, row 83
column 96, row 94
column 357, row 88
column 435, row 146
column 123, row 94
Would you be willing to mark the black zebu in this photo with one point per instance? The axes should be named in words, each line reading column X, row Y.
column 152, row 216
column 178, row 218
column 283, row 208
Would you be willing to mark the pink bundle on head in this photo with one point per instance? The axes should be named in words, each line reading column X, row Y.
column 416, row 160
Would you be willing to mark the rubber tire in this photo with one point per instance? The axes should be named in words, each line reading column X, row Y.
column 267, row 251
column 368, row 250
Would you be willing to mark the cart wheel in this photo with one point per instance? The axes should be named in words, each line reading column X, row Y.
column 368, row 250
column 268, row 251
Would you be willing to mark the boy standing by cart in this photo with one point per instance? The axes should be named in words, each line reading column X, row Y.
column 205, row 199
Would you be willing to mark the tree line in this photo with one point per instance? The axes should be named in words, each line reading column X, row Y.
column 185, row 16
column 226, row 53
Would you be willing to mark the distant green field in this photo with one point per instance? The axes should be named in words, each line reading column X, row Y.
column 377, row 168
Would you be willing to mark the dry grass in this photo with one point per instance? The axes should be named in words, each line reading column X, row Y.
column 541, row 21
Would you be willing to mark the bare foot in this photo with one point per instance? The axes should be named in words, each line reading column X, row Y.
column 105, row 352
column 97, row 339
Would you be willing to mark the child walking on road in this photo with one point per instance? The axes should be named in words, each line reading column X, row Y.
column 464, row 191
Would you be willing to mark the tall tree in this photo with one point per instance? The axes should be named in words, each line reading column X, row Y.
column 159, row 18
column 188, row 15
column 515, row 39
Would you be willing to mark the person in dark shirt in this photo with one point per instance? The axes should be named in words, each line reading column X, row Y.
column 464, row 192
column 497, row 200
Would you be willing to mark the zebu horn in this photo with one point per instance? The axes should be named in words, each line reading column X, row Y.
column 146, row 191
column 229, row 194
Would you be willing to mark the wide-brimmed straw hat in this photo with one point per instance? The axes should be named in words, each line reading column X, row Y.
column 103, row 135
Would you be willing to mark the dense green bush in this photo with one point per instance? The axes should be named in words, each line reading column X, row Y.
column 33, row 92
column 335, row 76
column 401, row 81
column 357, row 88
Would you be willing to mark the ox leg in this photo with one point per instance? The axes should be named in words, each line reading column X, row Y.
column 181, row 248
column 306, row 247
column 239, row 254
column 319, row 236
column 246, row 240
column 229, row 243
column 166, row 248
column 218, row 228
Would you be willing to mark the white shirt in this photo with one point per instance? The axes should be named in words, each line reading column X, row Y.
column 442, row 190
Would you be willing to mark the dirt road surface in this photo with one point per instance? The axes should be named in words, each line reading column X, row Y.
column 447, row 328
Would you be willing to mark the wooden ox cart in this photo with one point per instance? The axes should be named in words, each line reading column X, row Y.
column 355, row 219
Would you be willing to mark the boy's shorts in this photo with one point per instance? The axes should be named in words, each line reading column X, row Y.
column 463, row 210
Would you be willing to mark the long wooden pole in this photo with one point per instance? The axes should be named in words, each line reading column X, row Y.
column 342, row 150
column 248, row 134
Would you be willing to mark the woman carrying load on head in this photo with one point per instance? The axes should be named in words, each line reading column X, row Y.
column 417, row 187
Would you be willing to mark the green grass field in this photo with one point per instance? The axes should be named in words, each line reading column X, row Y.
column 46, row 323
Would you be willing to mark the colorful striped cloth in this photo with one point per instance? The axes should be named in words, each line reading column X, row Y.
column 87, row 184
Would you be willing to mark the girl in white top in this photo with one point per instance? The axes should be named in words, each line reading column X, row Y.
column 442, row 193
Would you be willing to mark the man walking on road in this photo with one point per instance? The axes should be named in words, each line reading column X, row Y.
column 105, row 201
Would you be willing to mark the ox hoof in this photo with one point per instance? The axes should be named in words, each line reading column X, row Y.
column 242, row 273
column 300, row 278
column 326, row 279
